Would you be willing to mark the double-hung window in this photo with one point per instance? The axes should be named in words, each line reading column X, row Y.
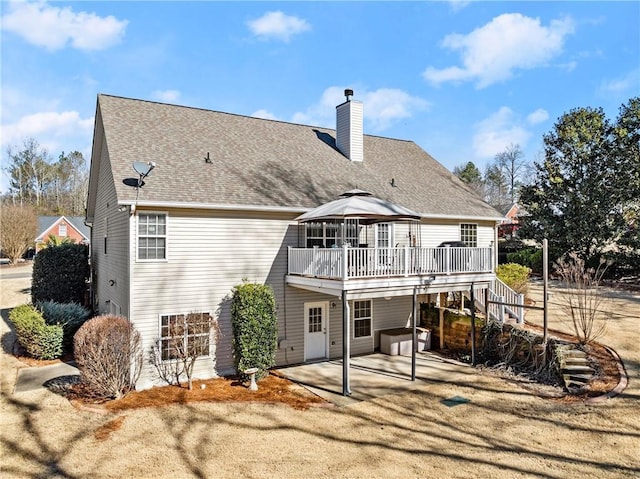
column 185, row 335
column 362, row 318
column 469, row 234
column 152, row 236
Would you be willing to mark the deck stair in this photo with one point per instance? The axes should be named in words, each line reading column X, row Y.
column 500, row 292
column 575, row 368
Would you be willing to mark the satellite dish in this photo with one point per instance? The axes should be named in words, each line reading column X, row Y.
column 143, row 169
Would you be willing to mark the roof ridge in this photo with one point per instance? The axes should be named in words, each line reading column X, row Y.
column 242, row 116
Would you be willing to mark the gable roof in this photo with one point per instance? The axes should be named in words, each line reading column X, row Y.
column 45, row 223
column 262, row 163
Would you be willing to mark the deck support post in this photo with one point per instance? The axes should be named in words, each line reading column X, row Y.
column 473, row 326
column 414, row 335
column 346, row 345
column 443, row 304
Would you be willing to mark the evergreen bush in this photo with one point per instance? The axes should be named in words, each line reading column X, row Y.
column 255, row 327
column 68, row 315
column 38, row 339
column 529, row 257
column 515, row 276
column 60, row 274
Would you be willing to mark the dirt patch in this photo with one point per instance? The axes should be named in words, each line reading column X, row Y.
column 104, row 432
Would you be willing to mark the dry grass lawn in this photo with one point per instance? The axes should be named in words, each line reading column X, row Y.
column 502, row 431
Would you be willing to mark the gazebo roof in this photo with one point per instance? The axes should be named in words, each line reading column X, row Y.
column 361, row 205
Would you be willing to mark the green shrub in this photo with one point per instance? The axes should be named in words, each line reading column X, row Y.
column 68, row 315
column 40, row 340
column 529, row 257
column 60, row 274
column 255, row 327
column 109, row 356
column 515, row 276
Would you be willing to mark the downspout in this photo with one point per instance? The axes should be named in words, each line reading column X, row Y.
column 346, row 345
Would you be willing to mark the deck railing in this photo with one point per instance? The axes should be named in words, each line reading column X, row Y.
column 347, row 262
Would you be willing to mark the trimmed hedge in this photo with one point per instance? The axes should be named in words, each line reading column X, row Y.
column 515, row 276
column 40, row 340
column 60, row 274
column 68, row 315
column 255, row 328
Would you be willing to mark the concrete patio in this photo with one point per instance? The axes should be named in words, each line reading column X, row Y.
column 376, row 375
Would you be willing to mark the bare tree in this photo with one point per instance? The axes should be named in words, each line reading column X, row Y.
column 184, row 339
column 18, row 229
column 582, row 297
column 512, row 164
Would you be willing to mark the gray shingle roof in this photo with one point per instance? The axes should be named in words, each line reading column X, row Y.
column 258, row 162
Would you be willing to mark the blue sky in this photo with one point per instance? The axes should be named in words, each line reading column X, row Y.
column 461, row 79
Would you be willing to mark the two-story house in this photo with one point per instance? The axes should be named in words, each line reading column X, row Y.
column 233, row 197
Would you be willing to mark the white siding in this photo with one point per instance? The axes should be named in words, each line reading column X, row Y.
column 207, row 255
column 111, row 275
column 349, row 129
column 433, row 233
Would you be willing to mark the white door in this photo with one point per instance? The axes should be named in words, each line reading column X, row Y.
column 384, row 242
column 315, row 333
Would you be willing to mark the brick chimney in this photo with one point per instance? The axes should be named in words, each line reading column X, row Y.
column 349, row 130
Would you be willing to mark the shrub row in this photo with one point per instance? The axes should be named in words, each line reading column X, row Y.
column 40, row 340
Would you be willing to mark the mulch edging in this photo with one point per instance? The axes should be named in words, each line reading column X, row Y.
column 622, row 383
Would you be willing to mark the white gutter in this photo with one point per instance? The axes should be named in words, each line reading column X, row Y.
column 278, row 209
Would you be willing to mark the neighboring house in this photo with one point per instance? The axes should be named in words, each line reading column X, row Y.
column 509, row 226
column 71, row 228
column 221, row 206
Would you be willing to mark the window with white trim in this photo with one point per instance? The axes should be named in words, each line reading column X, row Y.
column 328, row 234
column 469, row 234
column 152, row 236
column 62, row 230
column 362, row 318
column 185, row 335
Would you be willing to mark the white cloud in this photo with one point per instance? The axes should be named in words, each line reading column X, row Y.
column 278, row 25
column 493, row 52
column 629, row 82
column 496, row 132
column 538, row 116
column 167, row 96
column 382, row 108
column 457, row 5
column 54, row 27
column 46, row 127
column 264, row 114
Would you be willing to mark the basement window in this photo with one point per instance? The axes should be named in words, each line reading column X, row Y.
column 185, row 334
column 362, row 318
